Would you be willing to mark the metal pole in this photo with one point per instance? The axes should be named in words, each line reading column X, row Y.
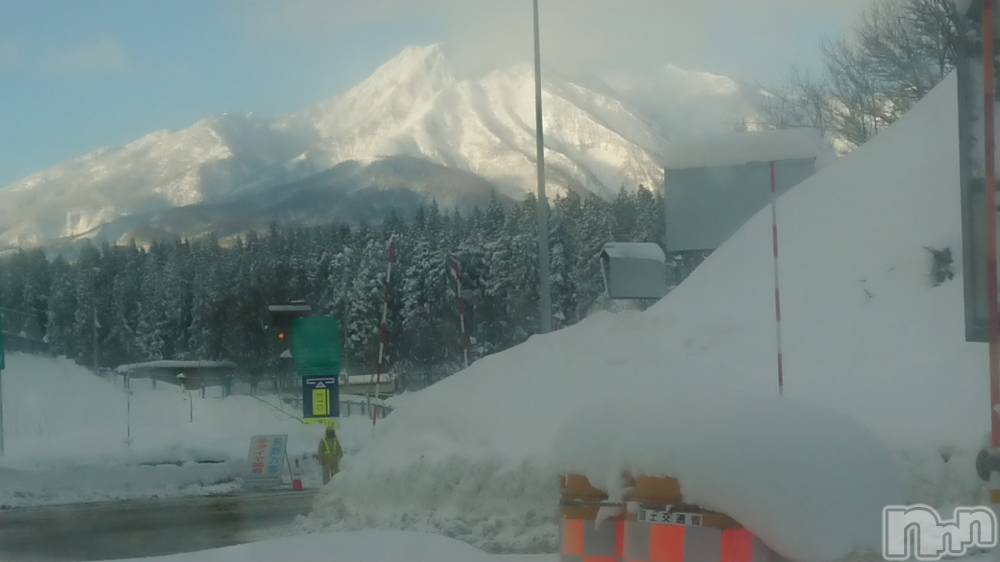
column 991, row 219
column 96, row 325
column 544, row 293
column 383, row 329
column 457, row 272
column 128, row 410
column 1, row 413
column 777, row 285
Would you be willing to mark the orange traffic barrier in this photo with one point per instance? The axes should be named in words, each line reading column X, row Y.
column 689, row 534
column 583, row 537
column 661, row 527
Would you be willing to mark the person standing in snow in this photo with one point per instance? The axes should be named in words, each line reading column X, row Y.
column 330, row 453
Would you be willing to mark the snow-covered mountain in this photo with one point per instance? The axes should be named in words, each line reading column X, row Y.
column 415, row 105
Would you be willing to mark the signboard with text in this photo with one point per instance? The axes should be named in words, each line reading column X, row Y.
column 320, row 399
column 267, row 458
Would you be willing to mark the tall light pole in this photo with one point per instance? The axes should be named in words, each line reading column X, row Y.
column 3, row 364
column 544, row 293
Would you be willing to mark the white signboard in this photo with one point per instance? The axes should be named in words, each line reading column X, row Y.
column 267, row 458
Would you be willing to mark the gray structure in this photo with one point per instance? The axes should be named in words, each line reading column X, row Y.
column 197, row 374
column 705, row 206
column 634, row 270
column 714, row 187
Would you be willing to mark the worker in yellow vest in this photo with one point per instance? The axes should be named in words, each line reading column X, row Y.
column 330, row 453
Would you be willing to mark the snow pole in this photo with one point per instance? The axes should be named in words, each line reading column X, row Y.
column 456, row 272
column 777, row 284
column 382, row 329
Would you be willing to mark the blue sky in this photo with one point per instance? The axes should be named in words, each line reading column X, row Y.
column 79, row 75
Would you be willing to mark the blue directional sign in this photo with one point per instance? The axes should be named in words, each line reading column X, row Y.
column 320, row 398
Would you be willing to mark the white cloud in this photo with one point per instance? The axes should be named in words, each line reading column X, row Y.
column 103, row 55
column 583, row 34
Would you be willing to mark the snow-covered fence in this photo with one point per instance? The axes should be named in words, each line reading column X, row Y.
column 350, row 405
column 360, row 406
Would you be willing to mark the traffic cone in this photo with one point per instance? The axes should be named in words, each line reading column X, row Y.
column 297, row 478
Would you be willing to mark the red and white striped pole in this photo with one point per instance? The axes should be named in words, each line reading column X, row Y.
column 777, row 284
column 383, row 332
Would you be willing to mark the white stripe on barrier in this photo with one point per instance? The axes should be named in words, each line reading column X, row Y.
column 669, row 516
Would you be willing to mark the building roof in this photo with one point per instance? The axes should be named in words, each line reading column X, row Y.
column 635, row 250
column 174, row 364
column 741, row 148
column 289, row 308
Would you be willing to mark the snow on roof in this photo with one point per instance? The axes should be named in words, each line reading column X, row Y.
column 367, row 379
column 635, row 250
column 870, row 348
column 175, row 364
column 741, row 148
column 289, row 308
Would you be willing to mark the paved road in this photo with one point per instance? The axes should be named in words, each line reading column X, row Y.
column 102, row 531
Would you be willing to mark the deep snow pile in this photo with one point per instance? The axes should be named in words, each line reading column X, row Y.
column 65, row 432
column 866, row 335
column 362, row 546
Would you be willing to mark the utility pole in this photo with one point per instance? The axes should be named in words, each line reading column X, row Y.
column 3, row 364
column 97, row 363
column 127, row 381
column 544, row 293
column 383, row 329
column 456, row 272
column 96, row 323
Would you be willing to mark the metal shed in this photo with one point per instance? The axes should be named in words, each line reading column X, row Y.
column 634, row 270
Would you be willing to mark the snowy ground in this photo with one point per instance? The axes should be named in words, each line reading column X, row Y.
column 879, row 380
column 360, row 546
column 65, row 437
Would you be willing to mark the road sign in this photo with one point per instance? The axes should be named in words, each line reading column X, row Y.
column 320, row 398
column 316, row 345
column 266, row 458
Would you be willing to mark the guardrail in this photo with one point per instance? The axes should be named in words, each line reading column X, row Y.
column 351, row 406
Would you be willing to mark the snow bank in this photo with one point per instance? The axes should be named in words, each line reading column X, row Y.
column 362, row 546
column 790, row 472
column 867, row 337
column 65, row 432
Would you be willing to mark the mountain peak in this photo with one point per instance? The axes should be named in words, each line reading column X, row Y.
column 410, row 80
column 425, row 65
column 414, row 105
